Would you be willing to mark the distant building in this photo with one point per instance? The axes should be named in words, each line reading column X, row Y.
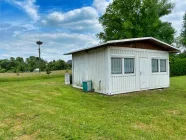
column 69, row 62
column 36, row 70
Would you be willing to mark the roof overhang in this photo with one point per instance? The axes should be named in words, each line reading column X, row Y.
column 159, row 43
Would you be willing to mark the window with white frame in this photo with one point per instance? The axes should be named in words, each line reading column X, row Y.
column 129, row 65
column 116, row 65
column 163, row 65
column 155, row 65
column 159, row 65
column 122, row 65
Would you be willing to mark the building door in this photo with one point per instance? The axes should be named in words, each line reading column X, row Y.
column 144, row 73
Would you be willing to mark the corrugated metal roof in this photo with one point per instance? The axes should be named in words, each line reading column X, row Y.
column 154, row 40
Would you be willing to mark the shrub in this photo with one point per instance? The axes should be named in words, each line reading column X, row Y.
column 2, row 70
column 177, row 66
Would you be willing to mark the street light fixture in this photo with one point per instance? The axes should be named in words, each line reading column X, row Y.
column 39, row 43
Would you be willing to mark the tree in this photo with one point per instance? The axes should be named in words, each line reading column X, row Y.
column 33, row 63
column 178, row 42
column 183, row 32
column 48, row 70
column 20, row 59
column 136, row 18
column 58, row 65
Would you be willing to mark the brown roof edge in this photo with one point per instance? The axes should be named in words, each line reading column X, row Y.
column 156, row 41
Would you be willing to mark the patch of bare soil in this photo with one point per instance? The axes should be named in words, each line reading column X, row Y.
column 5, row 123
column 55, row 93
column 143, row 126
column 50, row 83
column 174, row 112
column 38, row 99
column 28, row 136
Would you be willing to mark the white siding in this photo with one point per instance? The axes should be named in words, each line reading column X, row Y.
column 122, row 84
column 95, row 65
column 91, row 65
column 160, row 80
column 128, row 83
column 78, row 69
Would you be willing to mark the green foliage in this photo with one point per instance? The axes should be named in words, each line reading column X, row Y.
column 33, row 62
column 58, row 65
column 2, row 70
column 178, row 42
column 18, row 64
column 48, row 70
column 178, row 64
column 183, row 32
column 135, row 18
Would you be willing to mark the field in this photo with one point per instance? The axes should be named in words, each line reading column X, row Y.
column 5, row 77
column 45, row 108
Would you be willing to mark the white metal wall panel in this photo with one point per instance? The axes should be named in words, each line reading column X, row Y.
column 123, row 84
column 96, row 69
column 78, row 70
column 160, row 80
column 129, row 83
column 91, row 66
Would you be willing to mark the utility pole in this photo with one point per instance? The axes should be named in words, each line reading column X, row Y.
column 39, row 43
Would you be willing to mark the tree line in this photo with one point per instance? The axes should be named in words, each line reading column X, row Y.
column 18, row 64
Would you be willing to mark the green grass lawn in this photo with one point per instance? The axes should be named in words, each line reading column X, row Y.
column 48, row 109
column 5, row 77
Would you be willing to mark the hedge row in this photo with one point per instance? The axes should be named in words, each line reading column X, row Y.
column 177, row 66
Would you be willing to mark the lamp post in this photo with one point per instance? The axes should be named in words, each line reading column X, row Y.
column 39, row 43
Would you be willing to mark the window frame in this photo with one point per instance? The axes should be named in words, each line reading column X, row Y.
column 165, row 66
column 123, row 65
column 158, row 65
column 160, row 58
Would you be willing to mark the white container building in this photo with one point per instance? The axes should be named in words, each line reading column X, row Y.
column 123, row 66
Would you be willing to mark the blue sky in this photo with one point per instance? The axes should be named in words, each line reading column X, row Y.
column 63, row 25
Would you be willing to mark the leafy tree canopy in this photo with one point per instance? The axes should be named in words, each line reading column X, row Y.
column 183, row 32
column 136, row 18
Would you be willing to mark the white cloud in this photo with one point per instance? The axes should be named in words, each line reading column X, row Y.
column 29, row 27
column 77, row 20
column 27, row 6
column 61, row 31
column 176, row 17
column 8, row 30
column 101, row 5
column 73, row 15
column 15, row 33
column 54, row 45
column 5, row 26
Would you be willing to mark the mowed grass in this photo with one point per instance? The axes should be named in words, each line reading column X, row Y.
column 48, row 109
column 5, row 77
